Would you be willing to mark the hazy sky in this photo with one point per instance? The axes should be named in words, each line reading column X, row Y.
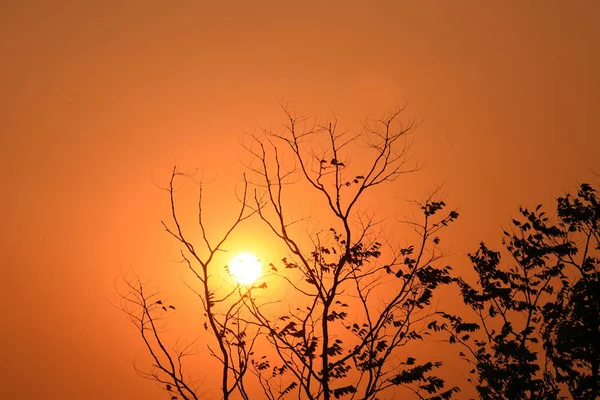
column 101, row 98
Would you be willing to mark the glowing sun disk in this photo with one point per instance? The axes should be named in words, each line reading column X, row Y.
column 245, row 268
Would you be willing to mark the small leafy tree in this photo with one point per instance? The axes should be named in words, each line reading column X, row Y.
column 358, row 303
column 571, row 331
column 538, row 316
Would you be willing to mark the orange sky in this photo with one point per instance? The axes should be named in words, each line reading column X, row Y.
column 101, row 97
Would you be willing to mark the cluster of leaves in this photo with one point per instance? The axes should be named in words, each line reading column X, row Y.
column 538, row 317
column 356, row 308
column 359, row 362
column 571, row 332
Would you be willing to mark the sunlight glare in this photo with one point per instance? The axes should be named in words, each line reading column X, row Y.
column 245, row 268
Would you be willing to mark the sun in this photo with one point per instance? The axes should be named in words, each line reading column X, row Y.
column 245, row 268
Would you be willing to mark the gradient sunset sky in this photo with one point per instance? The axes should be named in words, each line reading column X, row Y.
column 101, row 98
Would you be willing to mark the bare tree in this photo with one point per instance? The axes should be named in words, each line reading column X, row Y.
column 358, row 302
column 147, row 311
column 233, row 338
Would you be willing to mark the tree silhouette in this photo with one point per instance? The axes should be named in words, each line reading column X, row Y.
column 572, row 322
column 233, row 338
column 147, row 312
column 350, row 305
column 538, row 316
column 358, row 302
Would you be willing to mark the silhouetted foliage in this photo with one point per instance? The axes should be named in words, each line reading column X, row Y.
column 539, row 315
column 358, row 302
column 572, row 322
